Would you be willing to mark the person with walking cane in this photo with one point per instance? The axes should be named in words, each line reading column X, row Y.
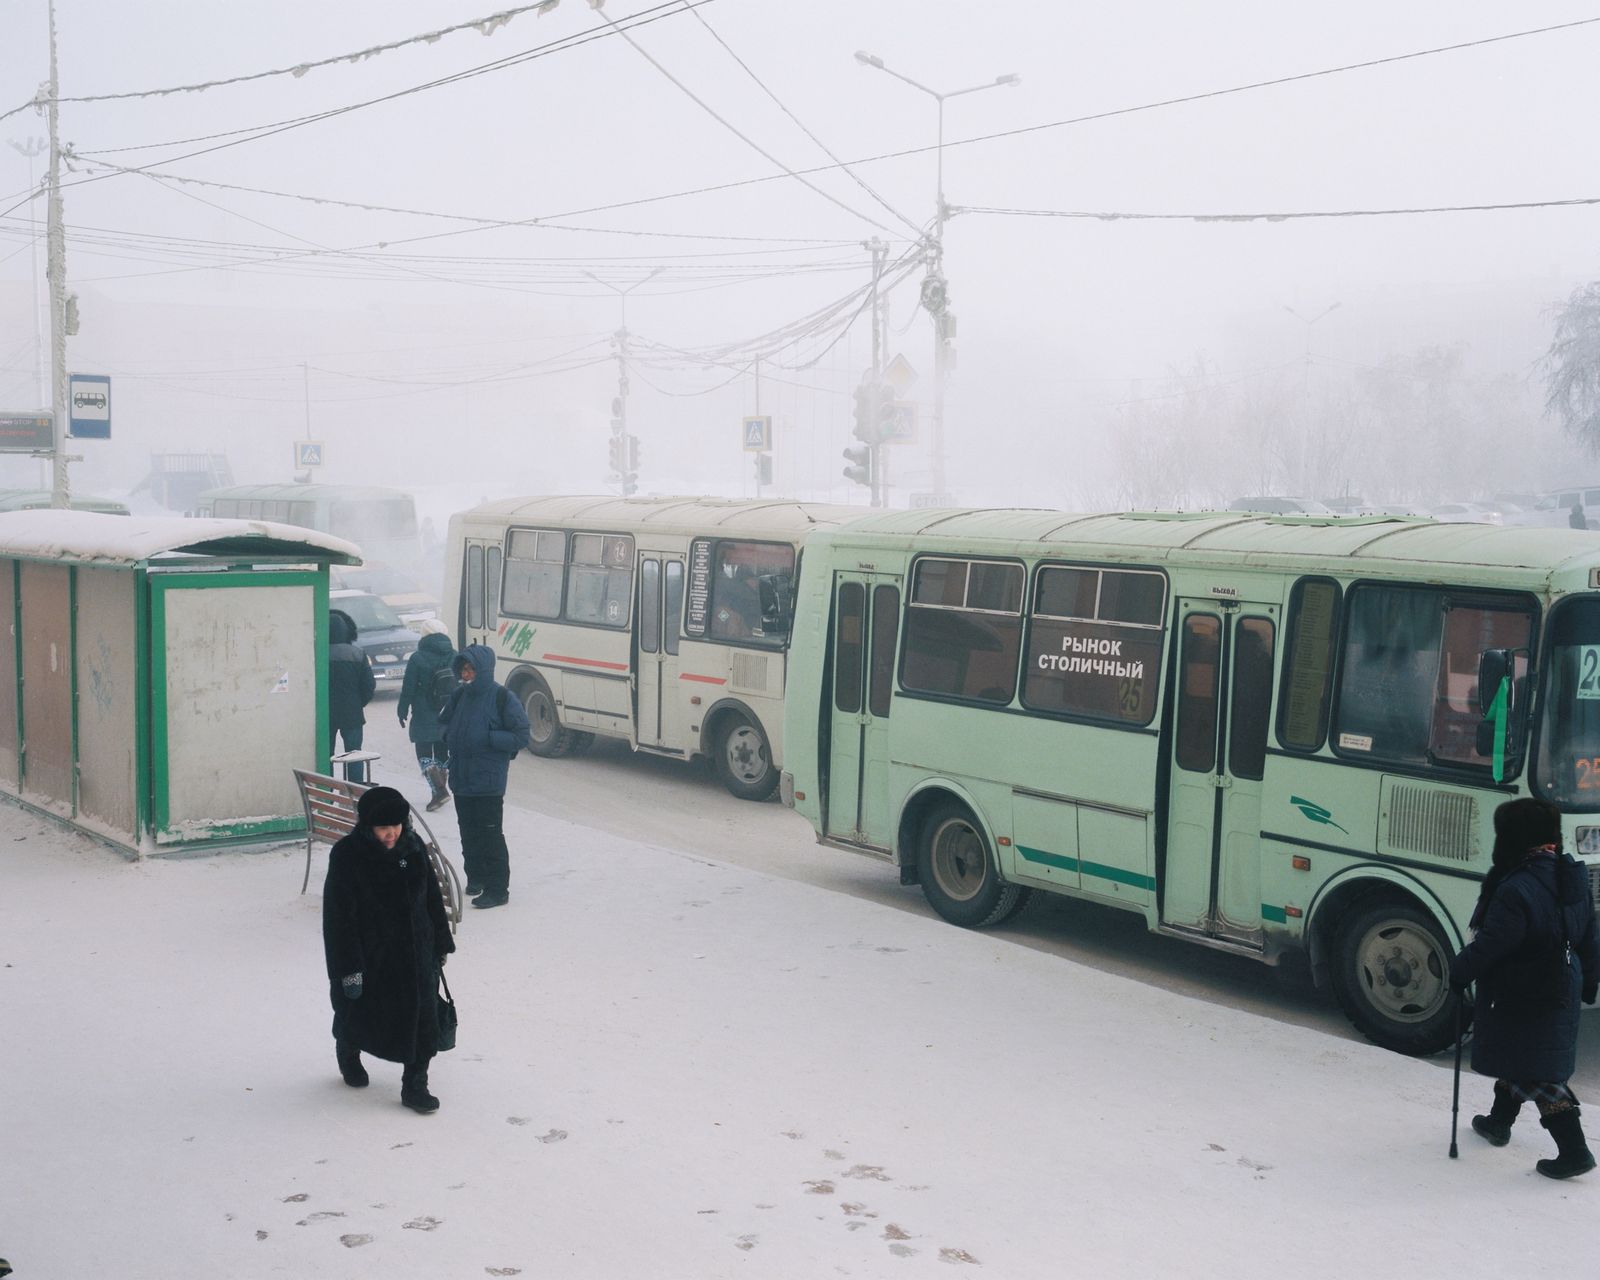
column 1534, row 952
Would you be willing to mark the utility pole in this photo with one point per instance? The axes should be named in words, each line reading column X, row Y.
column 880, row 254
column 624, row 446
column 56, row 272
column 935, row 288
column 32, row 148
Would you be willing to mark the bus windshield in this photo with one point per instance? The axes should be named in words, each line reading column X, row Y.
column 1567, row 771
column 373, row 520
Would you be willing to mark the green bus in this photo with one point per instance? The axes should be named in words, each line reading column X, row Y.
column 1266, row 734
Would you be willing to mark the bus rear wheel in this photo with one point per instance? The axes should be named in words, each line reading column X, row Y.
column 546, row 737
column 1392, row 978
column 958, row 873
column 743, row 759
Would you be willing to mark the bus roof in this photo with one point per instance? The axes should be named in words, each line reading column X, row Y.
column 34, row 499
column 300, row 493
column 1240, row 538
column 775, row 517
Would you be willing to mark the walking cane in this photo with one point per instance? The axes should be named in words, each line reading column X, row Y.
column 1455, row 1093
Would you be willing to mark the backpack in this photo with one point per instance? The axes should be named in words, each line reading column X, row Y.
column 440, row 687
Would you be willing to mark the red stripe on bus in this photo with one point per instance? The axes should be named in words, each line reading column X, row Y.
column 586, row 662
column 684, row 675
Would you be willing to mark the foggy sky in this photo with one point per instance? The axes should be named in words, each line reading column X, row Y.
column 1065, row 326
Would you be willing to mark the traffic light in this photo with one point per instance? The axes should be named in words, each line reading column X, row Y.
column 860, row 468
column 618, row 453
column 633, row 453
column 868, row 399
column 763, row 468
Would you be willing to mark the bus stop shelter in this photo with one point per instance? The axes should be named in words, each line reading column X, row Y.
column 165, row 675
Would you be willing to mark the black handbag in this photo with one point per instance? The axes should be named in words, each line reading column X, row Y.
column 447, row 1015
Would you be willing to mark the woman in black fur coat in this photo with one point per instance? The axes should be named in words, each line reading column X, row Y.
column 385, row 934
column 1535, row 953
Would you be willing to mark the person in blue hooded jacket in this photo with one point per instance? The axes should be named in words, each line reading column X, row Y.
column 484, row 728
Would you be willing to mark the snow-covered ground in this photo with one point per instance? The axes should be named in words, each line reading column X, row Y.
column 672, row 1067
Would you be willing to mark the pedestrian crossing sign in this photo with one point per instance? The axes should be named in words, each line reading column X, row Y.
column 758, row 435
column 308, row 453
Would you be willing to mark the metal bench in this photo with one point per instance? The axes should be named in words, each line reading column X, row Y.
column 330, row 805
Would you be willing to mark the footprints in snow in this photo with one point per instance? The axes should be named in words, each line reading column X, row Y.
column 858, row 1215
column 1257, row 1169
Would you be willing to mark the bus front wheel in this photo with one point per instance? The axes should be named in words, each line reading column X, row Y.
column 546, row 737
column 1393, row 978
column 958, row 873
column 743, row 759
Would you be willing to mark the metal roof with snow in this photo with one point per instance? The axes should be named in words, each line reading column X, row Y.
column 89, row 537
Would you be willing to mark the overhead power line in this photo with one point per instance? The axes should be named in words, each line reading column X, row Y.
column 1104, row 216
column 717, row 188
column 486, row 25
column 851, row 173
column 734, row 129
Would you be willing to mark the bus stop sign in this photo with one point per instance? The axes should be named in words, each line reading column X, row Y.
column 89, row 406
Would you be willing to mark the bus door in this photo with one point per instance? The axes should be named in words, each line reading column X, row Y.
column 657, row 625
column 478, row 610
column 866, row 623
column 1211, row 872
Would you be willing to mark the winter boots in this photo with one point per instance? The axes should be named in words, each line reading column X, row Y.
column 355, row 1075
column 438, row 783
column 1496, row 1126
column 1573, row 1155
column 414, row 1089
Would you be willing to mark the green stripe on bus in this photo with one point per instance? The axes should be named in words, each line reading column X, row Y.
column 1275, row 914
column 1096, row 869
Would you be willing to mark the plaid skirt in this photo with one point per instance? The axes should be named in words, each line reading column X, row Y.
column 1549, row 1098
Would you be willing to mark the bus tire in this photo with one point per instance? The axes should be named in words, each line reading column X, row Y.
column 546, row 737
column 743, row 759
column 958, row 872
column 1392, row 977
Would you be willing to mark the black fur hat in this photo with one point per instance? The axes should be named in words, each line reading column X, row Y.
column 1520, row 825
column 383, row 807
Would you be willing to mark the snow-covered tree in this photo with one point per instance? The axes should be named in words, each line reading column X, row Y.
column 1572, row 368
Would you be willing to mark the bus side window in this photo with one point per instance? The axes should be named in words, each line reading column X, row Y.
column 474, row 577
column 492, row 588
column 672, row 620
column 1313, row 629
column 849, row 642
column 1197, row 693
column 649, row 605
column 1250, row 697
column 885, row 626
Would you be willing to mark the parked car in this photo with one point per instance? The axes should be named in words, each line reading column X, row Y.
column 396, row 588
column 1281, row 506
column 383, row 637
column 1554, row 510
column 1466, row 513
column 1348, row 505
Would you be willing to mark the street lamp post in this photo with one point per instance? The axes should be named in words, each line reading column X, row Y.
column 622, row 448
column 935, row 291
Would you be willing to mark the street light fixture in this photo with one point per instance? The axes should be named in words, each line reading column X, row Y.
column 935, row 292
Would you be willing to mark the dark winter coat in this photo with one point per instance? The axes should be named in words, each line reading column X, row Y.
column 484, row 727
column 1525, row 1016
column 434, row 654
column 383, row 917
column 350, row 680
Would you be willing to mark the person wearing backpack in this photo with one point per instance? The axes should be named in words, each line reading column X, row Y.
column 426, row 688
column 484, row 727
column 1535, row 953
column 351, row 685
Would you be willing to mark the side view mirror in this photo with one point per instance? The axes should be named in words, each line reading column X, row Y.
column 775, row 592
column 1494, row 666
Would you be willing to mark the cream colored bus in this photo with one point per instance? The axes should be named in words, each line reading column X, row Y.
column 663, row 622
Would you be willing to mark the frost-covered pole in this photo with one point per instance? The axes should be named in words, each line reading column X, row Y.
column 56, row 274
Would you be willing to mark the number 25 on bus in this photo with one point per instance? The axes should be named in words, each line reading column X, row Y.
column 1264, row 734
